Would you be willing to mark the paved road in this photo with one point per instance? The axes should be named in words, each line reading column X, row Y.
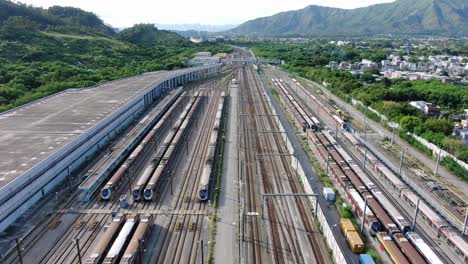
column 428, row 161
column 328, row 208
column 226, row 247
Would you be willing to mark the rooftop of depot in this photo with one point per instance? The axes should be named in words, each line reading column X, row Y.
column 31, row 133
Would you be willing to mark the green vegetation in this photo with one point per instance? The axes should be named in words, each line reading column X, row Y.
column 388, row 96
column 401, row 17
column 374, row 254
column 456, row 168
column 345, row 212
column 44, row 51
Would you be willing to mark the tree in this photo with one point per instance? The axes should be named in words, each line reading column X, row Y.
column 408, row 123
column 452, row 144
column 439, row 126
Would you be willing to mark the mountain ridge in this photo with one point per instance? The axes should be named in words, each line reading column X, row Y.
column 440, row 17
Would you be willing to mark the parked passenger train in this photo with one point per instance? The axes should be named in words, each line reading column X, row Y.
column 109, row 189
column 171, row 142
column 203, row 185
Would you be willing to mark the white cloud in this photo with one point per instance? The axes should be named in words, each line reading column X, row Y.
column 217, row 12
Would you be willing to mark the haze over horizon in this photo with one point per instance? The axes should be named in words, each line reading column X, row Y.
column 121, row 14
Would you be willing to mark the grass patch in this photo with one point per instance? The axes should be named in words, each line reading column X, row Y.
column 374, row 254
column 345, row 212
column 415, row 143
column 454, row 167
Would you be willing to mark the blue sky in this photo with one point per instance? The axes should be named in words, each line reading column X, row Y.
column 120, row 13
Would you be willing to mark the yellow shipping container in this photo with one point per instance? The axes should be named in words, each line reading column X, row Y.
column 355, row 242
column 346, row 225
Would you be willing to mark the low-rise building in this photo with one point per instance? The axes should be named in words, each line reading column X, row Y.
column 333, row 65
column 464, row 136
column 429, row 109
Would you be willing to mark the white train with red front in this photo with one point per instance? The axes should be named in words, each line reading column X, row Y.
column 203, row 186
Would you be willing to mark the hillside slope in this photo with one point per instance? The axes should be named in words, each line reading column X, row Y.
column 43, row 51
column 402, row 17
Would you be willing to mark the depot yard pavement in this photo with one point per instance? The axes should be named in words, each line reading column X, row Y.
column 227, row 213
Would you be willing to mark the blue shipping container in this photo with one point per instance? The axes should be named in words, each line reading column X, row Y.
column 365, row 259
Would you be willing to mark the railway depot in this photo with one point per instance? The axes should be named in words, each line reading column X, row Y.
column 136, row 169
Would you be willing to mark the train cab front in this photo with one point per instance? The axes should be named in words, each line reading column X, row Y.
column 313, row 127
column 203, row 194
column 148, row 193
column 105, row 194
column 136, row 195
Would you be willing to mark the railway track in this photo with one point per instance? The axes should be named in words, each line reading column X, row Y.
column 66, row 252
column 177, row 241
column 249, row 172
column 64, row 248
column 292, row 231
column 409, row 250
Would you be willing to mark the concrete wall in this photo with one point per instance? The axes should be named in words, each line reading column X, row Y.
column 20, row 194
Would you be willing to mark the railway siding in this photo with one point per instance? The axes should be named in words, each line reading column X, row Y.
column 295, row 149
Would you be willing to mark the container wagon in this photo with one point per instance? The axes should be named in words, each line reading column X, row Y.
column 100, row 250
column 116, row 251
column 133, row 252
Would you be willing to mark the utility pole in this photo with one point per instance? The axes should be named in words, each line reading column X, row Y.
column 393, row 134
column 413, row 227
column 201, row 248
column 316, row 206
column 365, row 159
column 336, row 131
column 19, row 250
column 466, row 220
column 328, row 164
column 78, row 248
column 69, row 180
column 364, row 215
column 243, row 226
column 170, row 177
column 401, row 163
column 365, row 128
column 438, row 163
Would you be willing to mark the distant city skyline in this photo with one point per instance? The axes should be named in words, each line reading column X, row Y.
column 210, row 12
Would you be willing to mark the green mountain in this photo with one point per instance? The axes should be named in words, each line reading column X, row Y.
column 402, row 17
column 43, row 51
column 148, row 34
column 55, row 17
